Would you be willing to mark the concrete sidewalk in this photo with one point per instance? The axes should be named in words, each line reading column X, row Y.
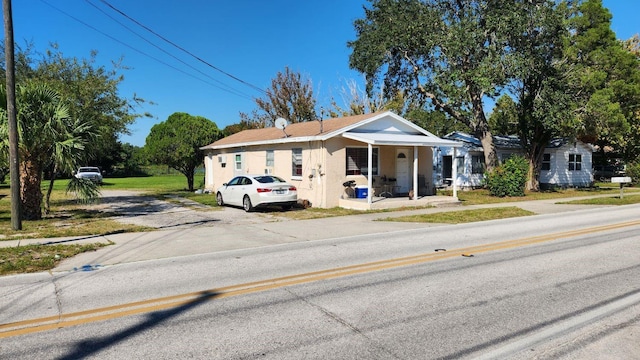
column 224, row 235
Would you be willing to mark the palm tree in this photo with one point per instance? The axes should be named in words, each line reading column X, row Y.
column 47, row 137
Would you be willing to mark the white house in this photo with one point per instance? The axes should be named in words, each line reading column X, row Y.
column 469, row 159
column 567, row 164
column 564, row 164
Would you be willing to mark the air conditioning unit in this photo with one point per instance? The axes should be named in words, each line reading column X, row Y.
column 268, row 171
column 222, row 159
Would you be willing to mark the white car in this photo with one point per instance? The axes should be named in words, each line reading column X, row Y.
column 251, row 191
column 89, row 172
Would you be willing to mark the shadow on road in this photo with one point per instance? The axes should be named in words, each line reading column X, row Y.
column 87, row 348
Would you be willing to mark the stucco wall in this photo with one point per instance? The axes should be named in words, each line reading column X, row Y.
column 323, row 167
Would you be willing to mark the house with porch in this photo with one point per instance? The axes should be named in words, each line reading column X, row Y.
column 564, row 164
column 359, row 161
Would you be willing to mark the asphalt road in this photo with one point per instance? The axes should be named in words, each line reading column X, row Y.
column 558, row 286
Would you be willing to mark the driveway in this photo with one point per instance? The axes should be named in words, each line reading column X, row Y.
column 131, row 207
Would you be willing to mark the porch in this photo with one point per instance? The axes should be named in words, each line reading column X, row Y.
column 379, row 203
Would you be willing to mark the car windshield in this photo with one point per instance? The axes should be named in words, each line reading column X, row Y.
column 88, row 170
column 269, row 179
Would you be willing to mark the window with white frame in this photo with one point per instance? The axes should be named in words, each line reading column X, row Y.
column 546, row 162
column 238, row 162
column 575, row 162
column 357, row 162
column 269, row 158
column 477, row 164
column 296, row 162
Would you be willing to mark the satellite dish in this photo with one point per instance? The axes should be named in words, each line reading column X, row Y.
column 281, row 123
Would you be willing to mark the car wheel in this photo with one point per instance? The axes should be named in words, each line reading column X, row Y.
column 219, row 199
column 246, row 203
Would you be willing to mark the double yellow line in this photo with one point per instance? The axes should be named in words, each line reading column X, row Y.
column 163, row 303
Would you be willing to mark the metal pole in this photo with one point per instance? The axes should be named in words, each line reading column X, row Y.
column 14, row 161
column 621, row 190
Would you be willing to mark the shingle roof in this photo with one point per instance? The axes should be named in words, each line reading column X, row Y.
column 297, row 130
column 499, row 141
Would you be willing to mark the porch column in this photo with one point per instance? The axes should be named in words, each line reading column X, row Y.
column 415, row 173
column 369, row 172
column 454, row 172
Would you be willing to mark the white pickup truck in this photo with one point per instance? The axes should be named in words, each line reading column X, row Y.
column 89, row 172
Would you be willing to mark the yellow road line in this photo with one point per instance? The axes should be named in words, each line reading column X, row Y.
column 163, row 303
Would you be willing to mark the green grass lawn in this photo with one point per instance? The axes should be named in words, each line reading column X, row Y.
column 463, row 216
column 627, row 199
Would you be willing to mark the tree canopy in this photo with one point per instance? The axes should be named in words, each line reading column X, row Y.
column 176, row 142
column 449, row 53
column 558, row 64
column 290, row 97
column 70, row 113
column 90, row 92
column 605, row 79
column 47, row 136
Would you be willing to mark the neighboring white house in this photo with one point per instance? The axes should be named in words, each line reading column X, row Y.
column 382, row 152
column 564, row 164
column 567, row 164
column 469, row 159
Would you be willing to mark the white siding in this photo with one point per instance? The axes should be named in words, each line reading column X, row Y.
column 560, row 175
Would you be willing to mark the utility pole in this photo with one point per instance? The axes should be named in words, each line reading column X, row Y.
column 14, row 161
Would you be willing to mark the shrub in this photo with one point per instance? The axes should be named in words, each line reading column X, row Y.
column 633, row 170
column 508, row 179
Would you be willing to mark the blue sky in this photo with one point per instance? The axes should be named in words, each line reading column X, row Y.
column 251, row 40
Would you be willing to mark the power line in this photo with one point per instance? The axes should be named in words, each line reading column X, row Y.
column 141, row 52
column 184, row 50
column 227, row 87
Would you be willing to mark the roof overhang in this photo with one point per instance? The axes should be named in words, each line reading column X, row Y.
column 400, row 139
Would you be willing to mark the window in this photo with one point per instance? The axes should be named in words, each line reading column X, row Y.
column 296, row 162
column 460, row 165
column 575, row 162
column 546, row 162
column 477, row 164
column 357, row 161
column 239, row 162
column 235, row 181
column 269, row 158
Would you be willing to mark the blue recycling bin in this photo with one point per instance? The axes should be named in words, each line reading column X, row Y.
column 361, row 192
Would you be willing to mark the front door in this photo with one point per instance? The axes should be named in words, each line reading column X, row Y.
column 447, row 162
column 403, row 175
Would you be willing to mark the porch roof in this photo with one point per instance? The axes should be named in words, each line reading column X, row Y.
column 401, row 139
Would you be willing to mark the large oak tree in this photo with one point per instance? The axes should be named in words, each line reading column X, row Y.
column 449, row 53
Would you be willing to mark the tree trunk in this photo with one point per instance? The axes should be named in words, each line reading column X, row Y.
column 533, row 183
column 534, row 153
column 190, row 177
column 490, row 157
column 30, row 193
column 47, row 203
column 481, row 129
